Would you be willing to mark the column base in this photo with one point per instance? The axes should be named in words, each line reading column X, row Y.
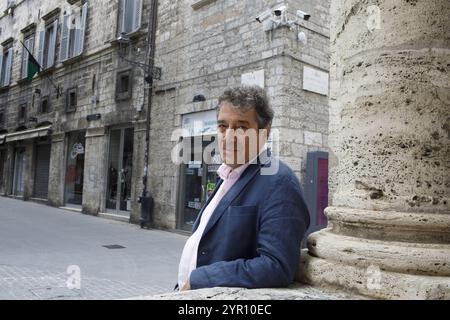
column 386, row 255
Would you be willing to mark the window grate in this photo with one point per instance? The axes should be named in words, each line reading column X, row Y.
column 113, row 246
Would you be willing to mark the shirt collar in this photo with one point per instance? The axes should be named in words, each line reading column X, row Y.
column 226, row 172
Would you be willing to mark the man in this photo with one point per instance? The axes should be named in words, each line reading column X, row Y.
column 249, row 232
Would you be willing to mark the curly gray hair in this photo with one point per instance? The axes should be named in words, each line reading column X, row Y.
column 245, row 98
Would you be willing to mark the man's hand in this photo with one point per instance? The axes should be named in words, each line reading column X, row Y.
column 186, row 286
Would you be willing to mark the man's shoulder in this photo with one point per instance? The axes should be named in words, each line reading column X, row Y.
column 278, row 171
column 279, row 182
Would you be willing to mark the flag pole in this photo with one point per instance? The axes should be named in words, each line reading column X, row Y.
column 40, row 69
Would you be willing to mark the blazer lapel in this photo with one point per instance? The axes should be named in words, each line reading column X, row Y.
column 245, row 178
column 247, row 175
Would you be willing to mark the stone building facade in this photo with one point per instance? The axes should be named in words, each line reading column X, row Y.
column 91, row 136
column 71, row 135
column 205, row 47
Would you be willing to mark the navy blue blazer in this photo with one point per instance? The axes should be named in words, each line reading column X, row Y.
column 253, row 237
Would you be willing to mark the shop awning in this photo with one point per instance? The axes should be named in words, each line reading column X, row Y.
column 2, row 138
column 28, row 134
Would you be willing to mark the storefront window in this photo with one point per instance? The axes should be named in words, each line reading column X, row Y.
column 193, row 174
column 19, row 172
column 75, row 168
column 118, row 196
column 42, row 167
column 197, row 183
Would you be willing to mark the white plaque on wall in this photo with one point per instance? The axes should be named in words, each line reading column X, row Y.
column 200, row 123
column 315, row 80
column 255, row 78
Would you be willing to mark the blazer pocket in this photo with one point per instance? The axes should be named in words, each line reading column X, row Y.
column 242, row 210
column 240, row 225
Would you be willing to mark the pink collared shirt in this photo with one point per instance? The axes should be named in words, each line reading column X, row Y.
column 188, row 260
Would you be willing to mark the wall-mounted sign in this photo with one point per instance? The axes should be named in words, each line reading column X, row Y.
column 194, row 164
column 315, row 80
column 93, row 117
column 200, row 123
column 255, row 78
column 77, row 149
column 195, row 205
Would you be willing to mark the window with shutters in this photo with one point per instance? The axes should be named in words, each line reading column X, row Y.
column 10, row 3
column 71, row 99
column 123, row 85
column 73, row 33
column 129, row 17
column 22, row 113
column 47, row 45
column 45, row 104
column 6, row 60
column 28, row 41
column 2, row 119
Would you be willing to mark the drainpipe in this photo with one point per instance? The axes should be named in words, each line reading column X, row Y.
column 146, row 199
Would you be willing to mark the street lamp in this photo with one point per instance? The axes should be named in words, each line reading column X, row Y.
column 150, row 73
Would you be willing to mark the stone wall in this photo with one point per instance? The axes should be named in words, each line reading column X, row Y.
column 206, row 49
column 389, row 221
column 94, row 75
column 202, row 49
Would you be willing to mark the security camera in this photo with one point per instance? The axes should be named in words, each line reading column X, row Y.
column 303, row 15
column 278, row 11
column 269, row 25
column 263, row 16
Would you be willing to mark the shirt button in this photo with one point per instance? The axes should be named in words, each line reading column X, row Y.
column 204, row 253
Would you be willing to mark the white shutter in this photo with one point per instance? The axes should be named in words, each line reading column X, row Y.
column 65, row 39
column 79, row 44
column 52, row 45
column 121, row 17
column 29, row 43
column 129, row 14
column 8, row 67
column 41, row 49
column 25, row 59
column 137, row 15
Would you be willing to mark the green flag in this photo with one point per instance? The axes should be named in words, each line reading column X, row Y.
column 33, row 67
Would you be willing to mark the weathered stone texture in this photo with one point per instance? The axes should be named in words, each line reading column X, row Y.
column 205, row 50
column 389, row 220
column 295, row 292
column 391, row 115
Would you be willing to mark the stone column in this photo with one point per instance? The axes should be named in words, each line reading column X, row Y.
column 57, row 170
column 95, row 171
column 137, row 170
column 389, row 218
column 9, row 169
column 28, row 175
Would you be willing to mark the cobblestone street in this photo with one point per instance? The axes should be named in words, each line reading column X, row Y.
column 42, row 249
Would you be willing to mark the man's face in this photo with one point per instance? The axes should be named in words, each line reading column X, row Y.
column 238, row 137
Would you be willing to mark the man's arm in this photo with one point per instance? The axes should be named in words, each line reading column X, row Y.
column 282, row 227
